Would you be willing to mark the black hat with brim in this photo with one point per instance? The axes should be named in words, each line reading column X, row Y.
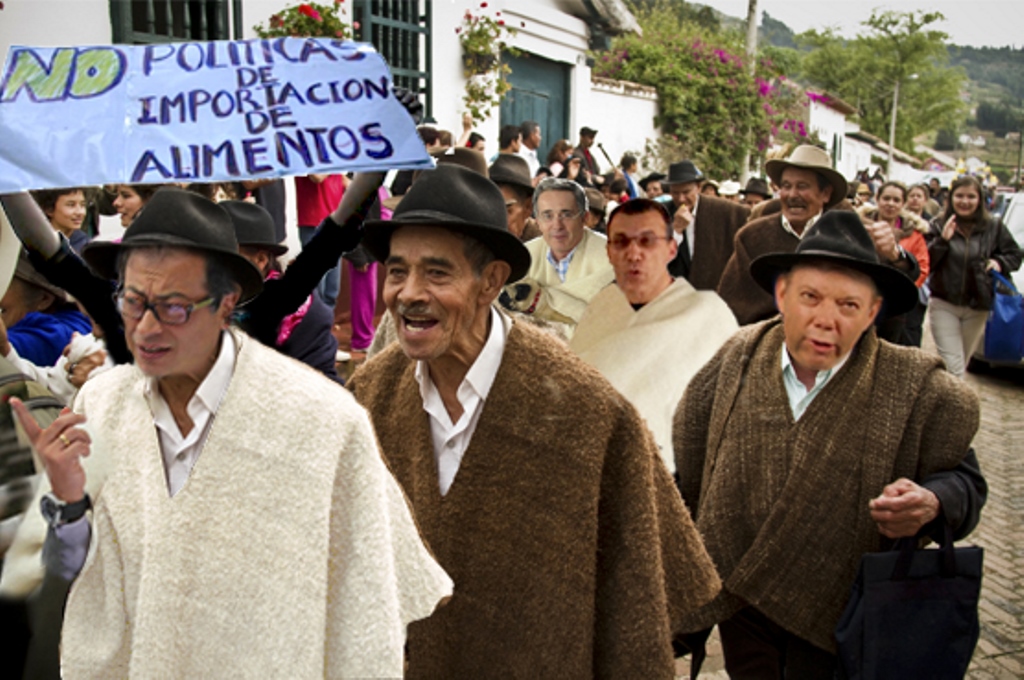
column 180, row 219
column 460, row 200
column 683, row 172
column 839, row 237
column 254, row 226
column 653, row 177
column 510, row 168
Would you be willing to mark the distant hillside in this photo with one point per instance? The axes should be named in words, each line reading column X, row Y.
column 1002, row 66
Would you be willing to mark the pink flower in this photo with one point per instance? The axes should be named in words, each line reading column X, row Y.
column 339, row 34
column 309, row 12
column 355, row 25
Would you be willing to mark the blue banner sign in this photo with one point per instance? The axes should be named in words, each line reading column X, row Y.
column 199, row 112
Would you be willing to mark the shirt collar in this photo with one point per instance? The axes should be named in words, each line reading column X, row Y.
column 789, row 371
column 789, row 227
column 480, row 376
column 211, row 390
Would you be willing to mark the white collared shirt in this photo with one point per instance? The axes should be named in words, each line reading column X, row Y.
column 452, row 439
column 531, row 158
column 799, row 396
column 180, row 451
column 789, row 227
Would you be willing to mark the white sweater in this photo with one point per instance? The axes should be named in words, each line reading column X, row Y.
column 289, row 553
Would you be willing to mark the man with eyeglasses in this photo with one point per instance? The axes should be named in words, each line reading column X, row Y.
column 568, row 262
column 630, row 329
column 243, row 495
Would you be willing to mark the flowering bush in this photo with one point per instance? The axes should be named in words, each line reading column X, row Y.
column 483, row 40
column 712, row 109
column 308, row 20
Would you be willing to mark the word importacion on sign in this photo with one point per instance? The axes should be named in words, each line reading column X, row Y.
column 203, row 112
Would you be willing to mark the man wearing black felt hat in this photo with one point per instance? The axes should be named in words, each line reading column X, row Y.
column 703, row 227
column 557, row 522
column 807, row 442
column 221, row 471
column 306, row 333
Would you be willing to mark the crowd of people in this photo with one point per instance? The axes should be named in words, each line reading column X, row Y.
column 597, row 420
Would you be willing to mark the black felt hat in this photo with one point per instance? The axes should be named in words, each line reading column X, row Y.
column 757, row 187
column 840, row 237
column 510, row 168
column 253, row 226
column 180, row 219
column 460, row 200
column 653, row 177
column 684, row 171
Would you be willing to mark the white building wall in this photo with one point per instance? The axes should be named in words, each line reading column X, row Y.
column 623, row 115
column 828, row 123
column 54, row 23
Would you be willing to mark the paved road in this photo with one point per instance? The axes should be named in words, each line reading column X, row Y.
column 1000, row 448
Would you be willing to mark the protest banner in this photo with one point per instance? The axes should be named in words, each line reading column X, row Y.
column 199, row 112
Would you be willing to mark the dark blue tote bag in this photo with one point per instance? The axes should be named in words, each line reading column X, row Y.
column 912, row 614
column 1004, row 330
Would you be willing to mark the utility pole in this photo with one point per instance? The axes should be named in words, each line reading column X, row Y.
column 752, row 67
column 892, row 128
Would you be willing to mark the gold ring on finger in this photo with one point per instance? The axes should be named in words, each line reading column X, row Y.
column 64, row 439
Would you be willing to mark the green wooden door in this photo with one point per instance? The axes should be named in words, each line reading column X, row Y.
column 540, row 92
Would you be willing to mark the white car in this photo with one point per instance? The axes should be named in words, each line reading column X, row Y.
column 1013, row 218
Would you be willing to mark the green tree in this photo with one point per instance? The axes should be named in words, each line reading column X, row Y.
column 708, row 100
column 897, row 47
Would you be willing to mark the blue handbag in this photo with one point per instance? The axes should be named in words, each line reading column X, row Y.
column 1004, row 330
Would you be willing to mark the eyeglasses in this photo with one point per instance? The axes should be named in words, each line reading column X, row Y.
column 645, row 241
column 169, row 313
column 549, row 216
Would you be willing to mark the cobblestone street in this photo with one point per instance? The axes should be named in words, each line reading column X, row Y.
column 1000, row 448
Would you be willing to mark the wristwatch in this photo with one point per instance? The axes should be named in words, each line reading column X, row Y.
column 57, row 513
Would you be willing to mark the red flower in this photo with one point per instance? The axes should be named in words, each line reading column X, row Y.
column 458, row 29
column 309, row 12
column 523, row 24
column 501, row 22
column 482, row 5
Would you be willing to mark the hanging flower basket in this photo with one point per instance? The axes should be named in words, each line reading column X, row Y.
column 478, row 64
column 482, row 39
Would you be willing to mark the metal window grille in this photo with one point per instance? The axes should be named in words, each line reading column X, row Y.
column 400, row 31
column 154, row 21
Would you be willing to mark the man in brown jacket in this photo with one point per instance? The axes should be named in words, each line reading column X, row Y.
column 570, row 548
column 806, row 442
column 704, row 227
column 807, row 186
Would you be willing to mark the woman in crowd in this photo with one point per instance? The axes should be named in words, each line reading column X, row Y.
column 131, row 198
column 909, row 230
column 66, row 209
column 558, row 155
column 917, row 201
column 964, row 245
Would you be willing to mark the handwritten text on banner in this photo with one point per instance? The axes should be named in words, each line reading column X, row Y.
column 199, row 112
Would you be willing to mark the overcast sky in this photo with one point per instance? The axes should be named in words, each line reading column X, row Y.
column 981, row 23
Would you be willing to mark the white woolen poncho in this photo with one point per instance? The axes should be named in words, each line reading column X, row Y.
column 289, row 553
column 650, row 354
